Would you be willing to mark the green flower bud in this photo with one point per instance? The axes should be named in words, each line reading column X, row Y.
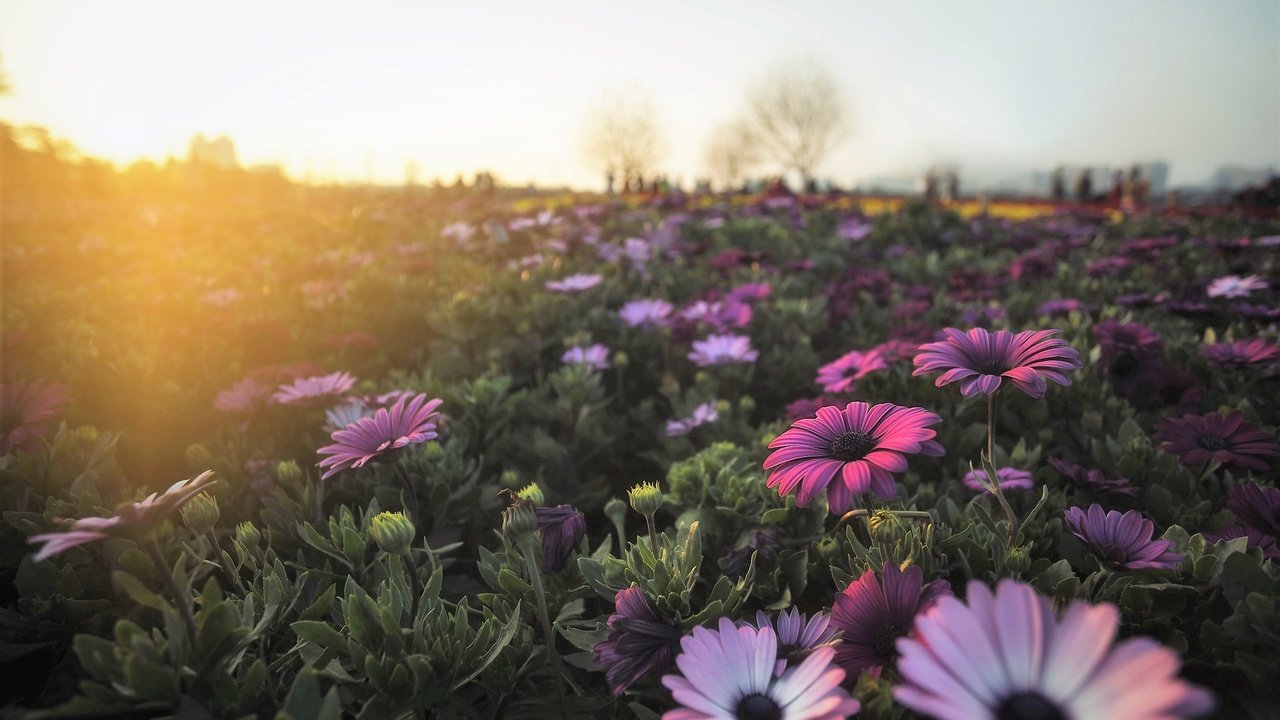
column 519, row 521
column 288, row 472
column 616, row 510
column 1018, row 560
column 645, row 498
column 201, row 513
column 248, row 535
column 747, row 404
column 434, row 451
column 199, row 457
column 724, row 407
column 533, row 494
column 620, row 359
column 886, row 527
column 393, row 531
column 509, row 479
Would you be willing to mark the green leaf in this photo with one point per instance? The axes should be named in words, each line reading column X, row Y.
column 137, row 592
column 320, row 633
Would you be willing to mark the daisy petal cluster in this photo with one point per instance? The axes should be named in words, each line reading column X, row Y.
column 26, row 408
column 842, row 374
column 641, row 313
column 723, row 350
column 702, row 414
column 594, row 357
column 316, row 391
column 872, row 613
column 1009, row 478
column 983, row 360
column 1122, row 540
column 572, row 284
column 1227, row 439
column 1241, row 354
column 407, row 422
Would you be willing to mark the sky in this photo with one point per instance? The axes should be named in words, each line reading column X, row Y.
column 342, row 91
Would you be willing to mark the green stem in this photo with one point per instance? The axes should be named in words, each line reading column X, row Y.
column 995, row 480
column 413, row 492
column 535, row 578
column 152, row 549
column 653, row 535
column 414, row 578
column 232, row 577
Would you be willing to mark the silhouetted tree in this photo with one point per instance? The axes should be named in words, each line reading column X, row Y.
column 797, row 115
column 622, row 137
column 732, row 150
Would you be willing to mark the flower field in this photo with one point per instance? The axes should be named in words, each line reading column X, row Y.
column 275, row 451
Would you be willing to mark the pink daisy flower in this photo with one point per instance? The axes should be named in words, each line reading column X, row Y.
column 574, row 283
column 873, row 613
column 314, row 391
column 26, row 408
column 727, row 674
column 1010, row 479
column 1008, row 655
column 638, row 313
column 640, row 641
column 408, row 422
column 1227, row 439
column 848, row 452
column 595, row 357
column 842, row 374
column 243, row 398
column 798, row 635
column 1234, row 286
column 703, row 414
column 1241, row 354
column 723, row 350
column 983, row 360
column 1122, row 541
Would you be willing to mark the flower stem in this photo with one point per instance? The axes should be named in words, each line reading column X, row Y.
column 232, row 577
column 653, row 535
column 416, row 580
column 413, row 492
column 991, row 466
column 526, row 547
column 152, row 549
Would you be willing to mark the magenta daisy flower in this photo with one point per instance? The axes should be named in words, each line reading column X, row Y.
column 872, row 614
column 639, row 313
column 1254, row 538
column 1226, row 439
column 983, row 360
column 727, row 674
column 1122, row 541
column 26, row 408
column 639, row 642
column 1255, row 506
column 723, row 350
column 848, row 452
column 316, row 391
column 595, row 357
column 408, row 422
column 842, row 374
column 1241, row 354
column 798, row 635
column 1006, row 655
column 1010, row 479
column 1092, row 480
column 703, row 414
column 131, row 518
column 574, row 283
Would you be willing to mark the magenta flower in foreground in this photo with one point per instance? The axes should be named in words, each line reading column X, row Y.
column 638, row 313
column 1010, row 479
column 25, row 411
column 983, row 360
column 842, row 374
column 639, row 642
column 595, row 357
column 703, row 414
column 574, row 283
column 408, row 422
column 131, row 518
column 728, row 674
column 723, row 350
column 1226, row 439
column 1122, row 541
column 849, row 452
column 799, row 636
column 1008, row 656
column 1241, row 354
column 314, row 391
column 873, row 613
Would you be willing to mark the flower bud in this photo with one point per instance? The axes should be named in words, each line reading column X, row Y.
column 248, row 535
column 724, row 408
column 616, row 510
column 1018, row 560
column 533, row 494
column 620, row 359
column 199, row 457
column 200, row 514
column 288, row 472
column 645, row 498
column 886, row 527
column 519, row 520
column 393, row 532
column 747, row 405
column 434, row 451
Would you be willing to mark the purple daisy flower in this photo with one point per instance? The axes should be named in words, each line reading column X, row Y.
column 723, row 350
column 1254, row 538
column 842, row 374
column 873, row 613
column 1007, row 655
column 983, row 360
column 314, row 391
column 1093, row 481
column 798, row 635
column 574, row 283
column 1065, row 306
column 1122, row 541
column 639, row 642
column 1010, row 479
column 638, row 313
column 703, row 414
column 1241, row 354
column 595, row 357
column 1255, row 506
column 562, row 527
column 1226, row 439
column 408, row 422
column 1234, row 286
column 131, row 518
column 750, row 292
column 26, row 408
column 727, row 674
column 851, row 451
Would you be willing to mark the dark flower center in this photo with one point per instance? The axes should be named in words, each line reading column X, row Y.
column 758, row 707
column 1124, row 366
column 1028, row 705
column 852, row 446
column 886, row 644
column 992, row 368
column 1210, row 442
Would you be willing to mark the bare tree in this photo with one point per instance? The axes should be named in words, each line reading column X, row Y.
column 797, row 114
column 622, row 139
column 731, row 152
